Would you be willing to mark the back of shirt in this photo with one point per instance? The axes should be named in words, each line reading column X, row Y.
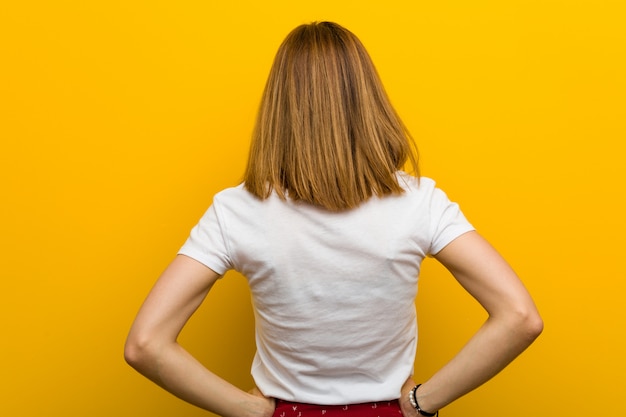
column 333, row 291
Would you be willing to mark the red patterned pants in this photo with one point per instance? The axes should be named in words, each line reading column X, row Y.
column 374, row 409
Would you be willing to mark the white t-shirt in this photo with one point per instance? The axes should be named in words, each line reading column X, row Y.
column 333, row 292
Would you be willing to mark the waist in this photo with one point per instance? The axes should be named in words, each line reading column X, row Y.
column 370, row 409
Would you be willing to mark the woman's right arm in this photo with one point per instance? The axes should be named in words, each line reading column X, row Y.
column 512, row 325
column 152, row 349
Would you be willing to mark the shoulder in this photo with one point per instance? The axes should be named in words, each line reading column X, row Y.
column 420, row 185
column 238, row 203
column 424, row 192
column 234, row 195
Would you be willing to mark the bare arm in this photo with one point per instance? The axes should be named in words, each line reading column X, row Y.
column 512, row 325
column 151, row 347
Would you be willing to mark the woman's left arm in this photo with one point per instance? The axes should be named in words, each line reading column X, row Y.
column 512, row 325
column 152, row 349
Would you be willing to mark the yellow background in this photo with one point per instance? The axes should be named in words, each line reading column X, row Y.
column 120, row 119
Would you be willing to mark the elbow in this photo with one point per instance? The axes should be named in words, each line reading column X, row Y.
column 529, row 324
column 138, row 352
column 538, row 326
column 133, row 352
column 523, row 324
column 534, row 326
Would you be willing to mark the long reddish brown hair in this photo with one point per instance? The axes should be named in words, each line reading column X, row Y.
column 326, row 132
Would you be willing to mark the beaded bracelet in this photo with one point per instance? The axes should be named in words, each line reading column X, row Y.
column 413, row 401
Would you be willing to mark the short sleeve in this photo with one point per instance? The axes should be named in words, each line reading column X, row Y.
column 447, row 221
column 206, row 243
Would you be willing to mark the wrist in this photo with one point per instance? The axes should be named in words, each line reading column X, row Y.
column 417, row 403
column 260, row 406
